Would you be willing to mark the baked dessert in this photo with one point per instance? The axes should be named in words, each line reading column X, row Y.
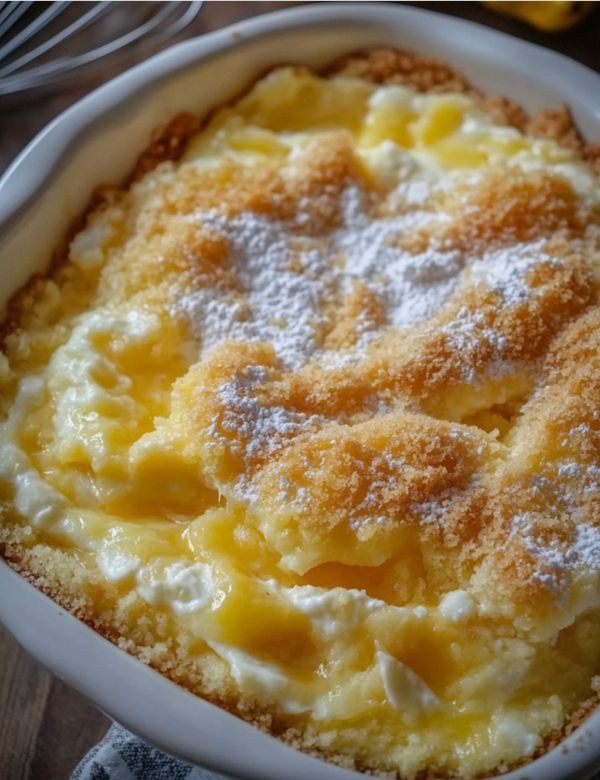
column 308, row 418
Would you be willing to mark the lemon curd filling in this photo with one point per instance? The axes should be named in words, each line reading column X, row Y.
column 309, row 420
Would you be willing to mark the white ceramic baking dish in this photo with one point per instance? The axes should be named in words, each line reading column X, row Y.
column 97, row 141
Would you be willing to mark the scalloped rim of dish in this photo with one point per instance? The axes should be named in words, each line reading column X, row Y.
column 141, row 699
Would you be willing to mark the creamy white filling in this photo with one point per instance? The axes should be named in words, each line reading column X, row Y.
column 399, row 170
column 405, row 690
column 34, row 499
column 332, row 612
column 478, row 126
column 457, row 606
column 259, row 678
column 88, row 247
column 185, row 589
column 117, row 565
column 509, row 733
column 189, row 589
column 82, row 380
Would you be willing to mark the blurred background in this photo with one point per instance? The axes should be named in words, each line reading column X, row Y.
column 51, row 54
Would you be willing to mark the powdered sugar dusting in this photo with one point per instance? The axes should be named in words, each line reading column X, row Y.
column 280, row 305
column 385, row 473
column 412, row 286
column 251, row 429
column 291, row 284
column 506, row 270
column 257, row 428
column 287, row 280
column 586, row 548
column 468, row 333
column 556, row 557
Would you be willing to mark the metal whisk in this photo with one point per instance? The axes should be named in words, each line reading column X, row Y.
column 42, row 44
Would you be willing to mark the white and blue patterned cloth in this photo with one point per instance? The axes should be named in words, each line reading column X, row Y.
column 121, row 756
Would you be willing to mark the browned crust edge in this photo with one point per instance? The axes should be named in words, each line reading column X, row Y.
column 381, row 66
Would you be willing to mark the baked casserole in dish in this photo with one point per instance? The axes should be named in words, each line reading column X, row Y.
column 307, row 417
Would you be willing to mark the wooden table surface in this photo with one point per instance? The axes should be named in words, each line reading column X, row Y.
column 46, row 727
